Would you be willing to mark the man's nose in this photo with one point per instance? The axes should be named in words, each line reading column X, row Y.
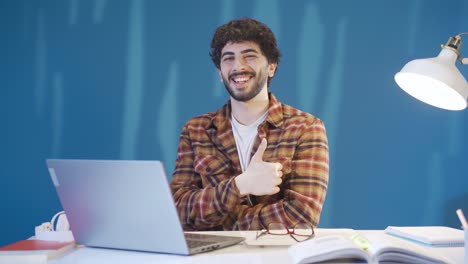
column 239, row 64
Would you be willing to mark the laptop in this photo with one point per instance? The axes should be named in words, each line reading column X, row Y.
column 125, row 204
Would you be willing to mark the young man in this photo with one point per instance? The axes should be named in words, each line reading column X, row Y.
column 255, row 161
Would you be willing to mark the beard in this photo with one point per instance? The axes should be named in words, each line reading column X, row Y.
column 256, row 87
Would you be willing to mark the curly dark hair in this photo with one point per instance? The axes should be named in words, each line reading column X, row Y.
column 245, row 29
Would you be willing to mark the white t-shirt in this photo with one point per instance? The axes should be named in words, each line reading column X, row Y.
column 245, row 138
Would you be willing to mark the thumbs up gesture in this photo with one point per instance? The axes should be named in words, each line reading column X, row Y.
column 260, row 178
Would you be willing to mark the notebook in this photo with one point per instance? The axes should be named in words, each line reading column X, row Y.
column 125, row 204
column 438, row 236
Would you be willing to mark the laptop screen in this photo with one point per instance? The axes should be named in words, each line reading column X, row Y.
column 119, row 204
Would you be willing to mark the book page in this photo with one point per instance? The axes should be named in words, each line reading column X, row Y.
column 324, row 248
column 385, row 247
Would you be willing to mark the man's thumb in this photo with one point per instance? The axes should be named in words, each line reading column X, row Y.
column 258, row 156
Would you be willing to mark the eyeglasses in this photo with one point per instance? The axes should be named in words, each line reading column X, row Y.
column 300, row 232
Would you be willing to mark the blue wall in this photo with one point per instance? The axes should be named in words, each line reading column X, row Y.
column 118, row 79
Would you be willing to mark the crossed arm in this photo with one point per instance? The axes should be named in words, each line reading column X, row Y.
column 208, row 198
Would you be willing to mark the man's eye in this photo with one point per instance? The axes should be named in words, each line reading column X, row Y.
column 228, row 58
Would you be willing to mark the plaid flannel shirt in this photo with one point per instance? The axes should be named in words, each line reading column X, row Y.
column 203, row 185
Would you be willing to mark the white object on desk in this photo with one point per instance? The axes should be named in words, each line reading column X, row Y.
column 466, row 245
column 430, row 235
column 58, row 229
column 54, row 235
column 464, row 224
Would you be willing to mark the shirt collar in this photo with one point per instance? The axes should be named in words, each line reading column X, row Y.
column 275, row 113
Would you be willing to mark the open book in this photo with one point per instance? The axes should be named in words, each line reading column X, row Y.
column 374, row 248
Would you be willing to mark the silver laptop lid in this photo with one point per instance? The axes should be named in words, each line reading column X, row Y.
column 119, row 204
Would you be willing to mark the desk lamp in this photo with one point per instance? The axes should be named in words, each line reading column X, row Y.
column 437, row 81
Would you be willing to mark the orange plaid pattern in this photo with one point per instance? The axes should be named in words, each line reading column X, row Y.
column 203, row 185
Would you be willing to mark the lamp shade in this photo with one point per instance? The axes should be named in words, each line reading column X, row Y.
column 435, row 81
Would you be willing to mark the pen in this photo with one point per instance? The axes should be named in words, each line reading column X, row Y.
column 462, row 218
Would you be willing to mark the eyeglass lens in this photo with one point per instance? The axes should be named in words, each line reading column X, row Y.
column 303, row 230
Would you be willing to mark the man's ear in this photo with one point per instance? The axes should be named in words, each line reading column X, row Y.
column 272, row 69
column 220, row 75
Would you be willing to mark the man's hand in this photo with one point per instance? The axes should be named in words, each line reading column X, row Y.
column 260, row 178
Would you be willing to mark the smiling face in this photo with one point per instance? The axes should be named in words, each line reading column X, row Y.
column 244, row 70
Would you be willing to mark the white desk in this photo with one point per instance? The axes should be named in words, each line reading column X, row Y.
column 240, row 253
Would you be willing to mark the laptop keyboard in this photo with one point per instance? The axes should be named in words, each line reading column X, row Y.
column 198, row 243
column 206, row 242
